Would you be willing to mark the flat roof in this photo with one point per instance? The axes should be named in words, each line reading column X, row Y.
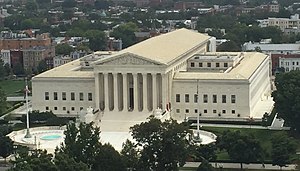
column 242, row 71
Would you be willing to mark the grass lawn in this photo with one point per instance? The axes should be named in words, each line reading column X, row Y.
column 264, row 137
column 13, row 87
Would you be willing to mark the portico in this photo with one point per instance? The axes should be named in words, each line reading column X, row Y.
column 130, row 92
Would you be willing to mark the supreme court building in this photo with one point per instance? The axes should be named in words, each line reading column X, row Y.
column 178, row 72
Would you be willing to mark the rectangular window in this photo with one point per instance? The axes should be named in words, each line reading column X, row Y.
column 72, row 108
column 90, row 96
column 232, row 98
column 214, row 98
column 55, row 96
column 293, row 63
column 72, row 96
column 177, row 110
column 81, row 108
column 209, row 64
column 224, row 111
column 217, row 64
column 81, row 96
column 192, row 64
column 195, row 98
column 187, row 111
column 64, row 96
column 64, row 108
column 55, row 108
column 214, row 111
column 205, row 111
column 233, row 111
column 205, row 98
column 47, row 108
column 196, row 110
column 200, row 64
column 46, row 95
column 225, row 64
column 187, row 98
column 177, row 98
column 223, row 98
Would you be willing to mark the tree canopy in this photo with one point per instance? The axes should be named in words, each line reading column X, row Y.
column 164, row 145
column 125, row 32
column 287, row 98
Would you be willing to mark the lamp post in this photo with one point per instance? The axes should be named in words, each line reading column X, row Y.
column 28, row 135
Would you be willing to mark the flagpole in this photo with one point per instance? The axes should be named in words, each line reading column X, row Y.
column 27, row 110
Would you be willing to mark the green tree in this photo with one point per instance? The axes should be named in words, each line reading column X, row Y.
column 18, row 69
column 164, row 145
column 82, row 143
column 206, row 152
column 63, row 49
column 6, row 145
column 205, row 166
column 108, row 159
column 2, row 70
column 97, row 40
column 68, row 4
column 42, row 66
column 283, row 148
column 240, row 148
column 31, row 5
column 229, row 46
column 125, row 32
column 129, row 155
column 63, row 162
column 286, row 98
column 3, row 103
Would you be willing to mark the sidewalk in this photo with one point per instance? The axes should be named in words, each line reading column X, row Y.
column 238, row 166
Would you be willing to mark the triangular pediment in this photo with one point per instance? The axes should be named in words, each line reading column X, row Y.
column 127, row 59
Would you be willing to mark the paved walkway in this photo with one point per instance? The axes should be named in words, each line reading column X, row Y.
column 245, row 166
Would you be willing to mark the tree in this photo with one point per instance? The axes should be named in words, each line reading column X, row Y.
column 6, row 145
column 82, row 143
column 63, row 49
column 283, row 147
column 97, row 40
column 18, row 69
column 129, row 155
column 2, row 69
column 68, row 4
column 31, row 5
column 63, row 162
column 42, row 66
column 3, row 103
column 286, row 98
column 164, row 145
column 205, row 166
column 125, row 32
column 204, row 152
column 229, row 46
column 240, row 148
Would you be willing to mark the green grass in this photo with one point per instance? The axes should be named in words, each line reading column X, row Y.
column 13, row 87
column 264, row 136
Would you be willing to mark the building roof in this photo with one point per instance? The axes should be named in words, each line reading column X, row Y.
column 242, row 71
column 167, row 47
column 272, row 47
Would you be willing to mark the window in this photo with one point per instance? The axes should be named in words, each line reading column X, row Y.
column 297, row 63
column 225, row 64
column 223, row 111
column 64, row 108
column 293, row 63
column 64, row 96
column 187, row 98
column 200, row 64
column 55, row 108
column 214, row 111
column 192, row 64
column 287, row 69
column 81, row 96
column 232, row 98
column 195, row 98
column 205, row 98
column 217, row 64
column 205, row 110
column 72, row 108
column 81, row 108
column 46, row 95
column 177, row 110
column 187, row 110
column 214, row 98
column 72, row 96
column 55, row 96
column 47, row 108
column 178, row 98
column 196, row 110
column 90, row 96
column 223, row 98
column 233, row 111
column 209, row 64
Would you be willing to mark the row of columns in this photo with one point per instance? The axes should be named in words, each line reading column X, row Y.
column 138, row 92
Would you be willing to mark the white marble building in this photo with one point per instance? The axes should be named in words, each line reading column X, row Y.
column 152, row 74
